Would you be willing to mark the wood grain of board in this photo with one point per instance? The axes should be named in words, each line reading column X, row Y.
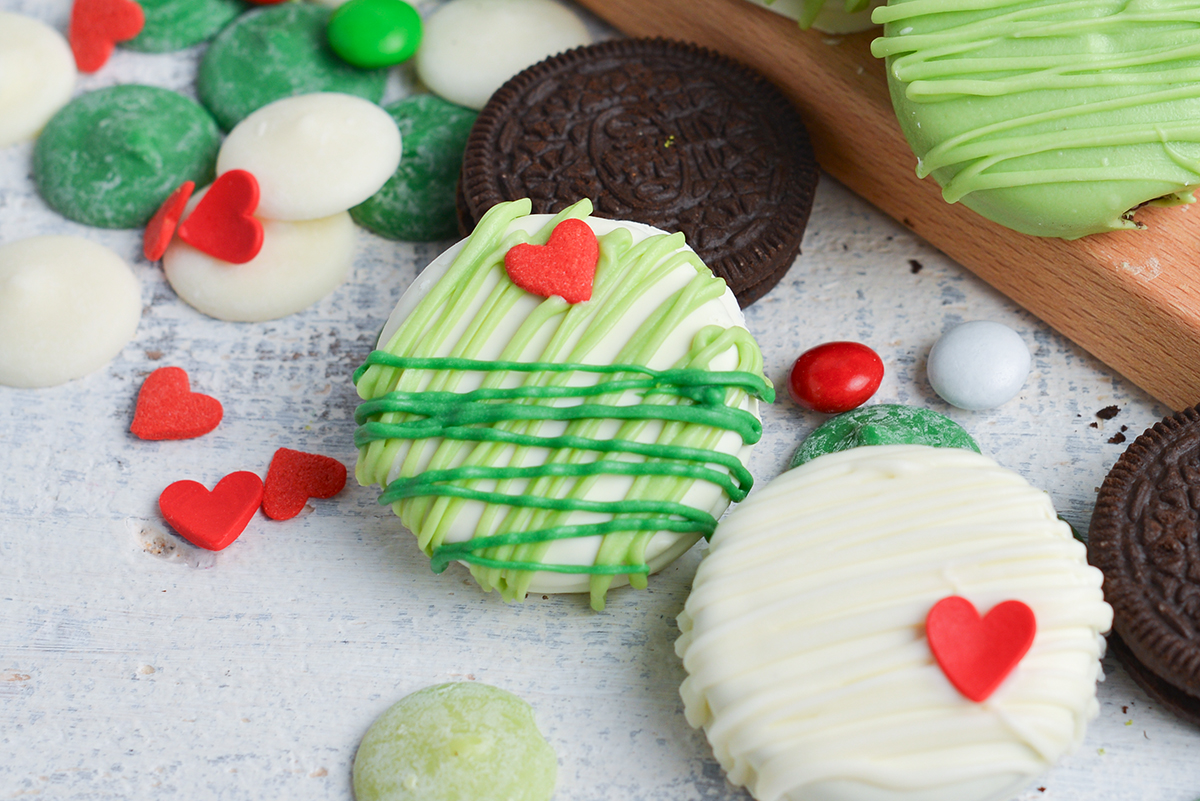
column 1130, row 298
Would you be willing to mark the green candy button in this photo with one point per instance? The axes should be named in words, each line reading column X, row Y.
column 375, row 33
column 883, row 424
column 455, row 742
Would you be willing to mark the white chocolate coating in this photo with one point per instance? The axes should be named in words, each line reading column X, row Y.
column 300, row 263
column 804, row 635
column 665, row 546
column 471, row 47
column 67, row 307
column 37, row 75
column 313, row 155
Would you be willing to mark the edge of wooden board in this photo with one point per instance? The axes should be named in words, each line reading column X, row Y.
column 1130, row 298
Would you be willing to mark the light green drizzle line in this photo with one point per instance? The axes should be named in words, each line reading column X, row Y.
column 1074, row 74
column 435, row 448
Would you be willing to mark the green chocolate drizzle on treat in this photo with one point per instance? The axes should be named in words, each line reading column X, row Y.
column 437, row 441
column 1052, row 118
column 882, row 424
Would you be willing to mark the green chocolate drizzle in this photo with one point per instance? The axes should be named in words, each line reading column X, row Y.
column 436, row 446
column 1049, row 117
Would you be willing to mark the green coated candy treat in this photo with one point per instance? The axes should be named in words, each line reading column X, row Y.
column 1051, row 118
column 272, row 53
column 375, row 33
column 178, row 24
column 454, row 742
column 883, row 424
column 417, row 202
column 110, row 158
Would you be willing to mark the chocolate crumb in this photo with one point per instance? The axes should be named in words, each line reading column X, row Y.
column 915, row 266
column 1093, row 425
column 154, row 355
column 1124, row 428
column 1041, row 789
column 1108, row 412
column 907, row 222
column 1124, row 710
column 1116, row 439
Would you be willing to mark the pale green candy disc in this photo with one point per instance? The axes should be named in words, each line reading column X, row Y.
column 454, row 742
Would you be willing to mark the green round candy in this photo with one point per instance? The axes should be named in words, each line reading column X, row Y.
column 883, row 424
column 417, row 202
column 453, row 742
column 177, row 24
column 109, row 158
column 375, row 33
column 272, row 53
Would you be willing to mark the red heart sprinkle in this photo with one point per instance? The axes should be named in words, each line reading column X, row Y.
column 162, row 225
column 214, row 519
column 97, row 25
column 564, row 266
column 295, row 476
column 223, row 223
column 168, row 409
column 976, row 654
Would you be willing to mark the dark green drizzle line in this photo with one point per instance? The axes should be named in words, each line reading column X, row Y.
column 466, row 417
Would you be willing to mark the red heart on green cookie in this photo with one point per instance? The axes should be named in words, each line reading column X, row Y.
column 97, row 25
column 564, row 266
column 223, row 223
column 294, row 477
column 162, row 225
column 212, row 520
column 977, row 653
column 168, row 409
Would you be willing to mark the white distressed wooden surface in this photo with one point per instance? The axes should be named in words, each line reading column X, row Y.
column 134, row 666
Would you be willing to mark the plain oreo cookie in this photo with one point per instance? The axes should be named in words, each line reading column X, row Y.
column 1143, row 537
column 660, row 132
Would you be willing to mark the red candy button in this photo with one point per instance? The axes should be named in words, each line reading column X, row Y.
column 835, row 377
column 162, row 225
column 294, row 477
column 564, row 266
column 223, row 223
column 168, row 409
column 97, row 25
column 975, row 653
column 214, row 519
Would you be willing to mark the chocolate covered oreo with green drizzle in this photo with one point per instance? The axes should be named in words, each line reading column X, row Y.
column 554, row 446
column 1052, row 118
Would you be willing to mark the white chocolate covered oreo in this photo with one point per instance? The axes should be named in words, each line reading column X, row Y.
column 804, row 637
column 67, row 307
column 37, row 75
column 299, row 263
column 313, row 155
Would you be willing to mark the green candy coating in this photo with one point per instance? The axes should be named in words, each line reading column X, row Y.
column 109, row 158
column 1051, row 118
column 375, row 33
column 882, row 424
column 453, row 742
column 177, row 24
column 417, row 202
column 272, row 53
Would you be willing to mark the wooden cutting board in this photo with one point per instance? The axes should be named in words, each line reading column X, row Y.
column 1132, row 298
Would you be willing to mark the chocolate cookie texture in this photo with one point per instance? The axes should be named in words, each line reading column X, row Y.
column 1144, row 538
column 664, row 133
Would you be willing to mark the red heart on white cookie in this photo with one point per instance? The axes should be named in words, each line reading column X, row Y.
column 564, row 266
column 977, row 653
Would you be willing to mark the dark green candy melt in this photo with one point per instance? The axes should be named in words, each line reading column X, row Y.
column 110, row 158
column 272, row 53
column 417, row 202
column 178, row 24
column 883, row 424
